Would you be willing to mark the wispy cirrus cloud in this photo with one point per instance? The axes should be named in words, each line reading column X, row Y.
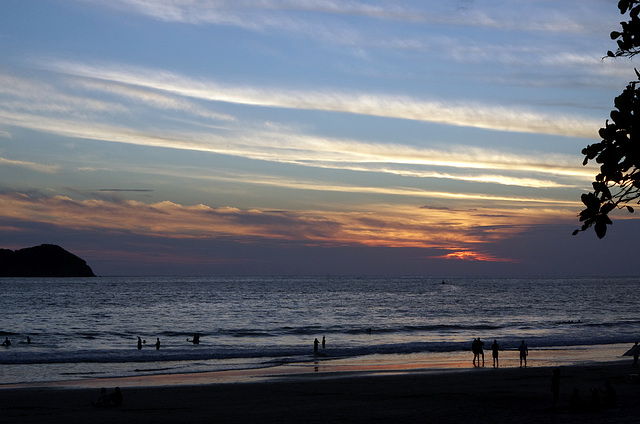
column 152, row 98
column 255, row 14
column 320, row 152
column 469, row 114
column 34, row 166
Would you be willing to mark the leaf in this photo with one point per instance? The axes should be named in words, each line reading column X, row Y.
column 606, row 208
column 590, row 201
column 601, row 229
column 630, row 209
column 575, row 232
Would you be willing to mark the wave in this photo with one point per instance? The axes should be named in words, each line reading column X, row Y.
column 282, row 354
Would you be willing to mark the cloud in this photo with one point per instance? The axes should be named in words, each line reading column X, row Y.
column 466, row 114
column 28, row 94
column 269, row 14
column 38, row 167
column 133, row 190
column 470, row 255
column 381, row 226
column 310, row 151
column 152, row 98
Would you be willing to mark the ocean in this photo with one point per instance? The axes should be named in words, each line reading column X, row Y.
column 88, row 328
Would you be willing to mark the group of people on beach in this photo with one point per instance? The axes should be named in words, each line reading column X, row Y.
column 597, row 399
column 106, row 401
column 477, row 347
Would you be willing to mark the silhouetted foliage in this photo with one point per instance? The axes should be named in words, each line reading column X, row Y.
column 618, row 154
column 629, row 38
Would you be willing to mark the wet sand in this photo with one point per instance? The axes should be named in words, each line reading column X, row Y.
column 384, row 393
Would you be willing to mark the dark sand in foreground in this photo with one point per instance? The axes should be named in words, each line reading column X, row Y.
column 507, row 395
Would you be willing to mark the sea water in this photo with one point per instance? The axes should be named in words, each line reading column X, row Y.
column 88, row 328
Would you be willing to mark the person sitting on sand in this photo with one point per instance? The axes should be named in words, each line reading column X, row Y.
column 103, row 400
column 575, row 403
column 594, row 401
column 524, row 351
column 116, row 397
column 555, row 387
column 609, row 396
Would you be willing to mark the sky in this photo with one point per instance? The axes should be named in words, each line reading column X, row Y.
column 266, row 137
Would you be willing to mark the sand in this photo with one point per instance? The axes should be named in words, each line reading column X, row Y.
column 389, row 394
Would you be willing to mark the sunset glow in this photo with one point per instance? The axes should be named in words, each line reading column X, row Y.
column 224, row 137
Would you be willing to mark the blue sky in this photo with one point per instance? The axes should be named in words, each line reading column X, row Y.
column 288, row 137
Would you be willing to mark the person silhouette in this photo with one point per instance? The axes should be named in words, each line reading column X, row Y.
column 609, row 396
column 555, row 388
column 157, row 343
column 524, row 351
column 315, row 346
column 594, row 401
column 323, row 342
column 476, row 352
column 494, row 353
column 575, row 403
column 6, row 342
column 116, row 397
column 139, row 343
column 103, row 400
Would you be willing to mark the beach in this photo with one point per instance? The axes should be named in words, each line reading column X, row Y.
column 255, row 361
column 369, row 393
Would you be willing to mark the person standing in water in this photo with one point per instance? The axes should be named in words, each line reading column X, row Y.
column 139, row 343
column 157, row 343
column 315, row 346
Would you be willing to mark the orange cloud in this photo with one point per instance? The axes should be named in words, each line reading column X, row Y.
column 468, row 255
column 380, row 225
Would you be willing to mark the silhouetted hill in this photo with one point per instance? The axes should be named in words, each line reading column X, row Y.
column 46, row 260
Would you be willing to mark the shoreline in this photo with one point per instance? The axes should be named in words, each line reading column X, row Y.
column 445, row 395
column 440, row 362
